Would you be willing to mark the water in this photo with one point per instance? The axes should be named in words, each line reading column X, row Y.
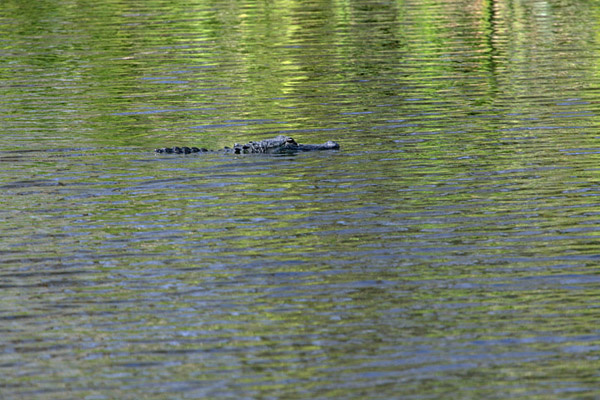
column 449, row 250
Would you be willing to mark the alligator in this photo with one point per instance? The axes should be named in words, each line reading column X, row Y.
column 277, row 145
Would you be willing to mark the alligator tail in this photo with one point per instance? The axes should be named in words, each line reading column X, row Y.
column 180, row 150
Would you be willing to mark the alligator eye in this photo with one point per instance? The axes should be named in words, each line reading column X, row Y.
column 291, row 141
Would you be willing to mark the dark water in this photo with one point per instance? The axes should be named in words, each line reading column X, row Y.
column 450, row 250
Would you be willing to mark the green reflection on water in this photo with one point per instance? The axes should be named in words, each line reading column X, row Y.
column 114, row 72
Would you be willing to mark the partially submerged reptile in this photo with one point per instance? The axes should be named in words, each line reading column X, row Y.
column 277, row 145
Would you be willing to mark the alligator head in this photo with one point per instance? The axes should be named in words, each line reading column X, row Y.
column 281, row 145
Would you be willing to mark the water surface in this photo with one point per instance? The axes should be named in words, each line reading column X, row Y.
column 449, row 250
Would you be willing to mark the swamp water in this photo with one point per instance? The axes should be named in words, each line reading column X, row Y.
column 449, row 250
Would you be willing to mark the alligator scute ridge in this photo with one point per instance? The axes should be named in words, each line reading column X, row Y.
column 278, row 145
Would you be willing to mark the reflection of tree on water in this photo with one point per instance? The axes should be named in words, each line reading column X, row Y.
column 489, row 13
